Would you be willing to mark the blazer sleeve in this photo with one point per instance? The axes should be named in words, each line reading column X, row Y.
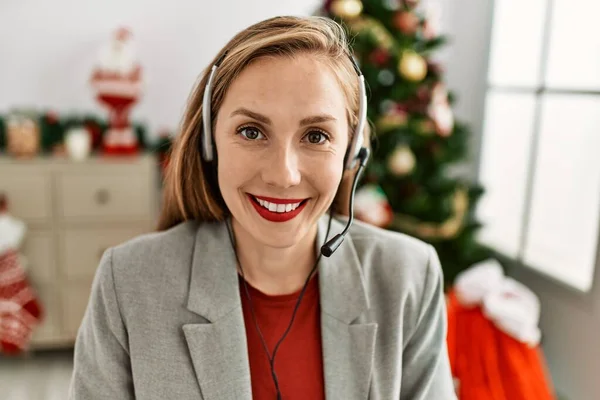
column 426, row 371
column 102, row 367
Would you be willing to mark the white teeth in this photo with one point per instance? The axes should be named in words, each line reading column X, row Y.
column 278, row 208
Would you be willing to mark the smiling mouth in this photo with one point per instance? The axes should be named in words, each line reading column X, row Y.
column 277, row 210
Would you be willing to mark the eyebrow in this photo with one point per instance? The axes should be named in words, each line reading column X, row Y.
column 265, row 120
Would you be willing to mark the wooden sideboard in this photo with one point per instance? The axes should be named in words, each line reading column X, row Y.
column 74, row 211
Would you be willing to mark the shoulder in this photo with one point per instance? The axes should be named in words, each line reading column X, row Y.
column 399, row 270
column 157, row 245
column 147, row 260
column 142, row 269
column 393, row 253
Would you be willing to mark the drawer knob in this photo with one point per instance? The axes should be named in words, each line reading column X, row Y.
column 102, row 196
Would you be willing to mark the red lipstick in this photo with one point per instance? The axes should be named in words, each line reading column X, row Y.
column 275, row 216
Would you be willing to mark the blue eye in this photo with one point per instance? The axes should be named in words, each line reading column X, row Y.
column 250, row 133
column 317, row 137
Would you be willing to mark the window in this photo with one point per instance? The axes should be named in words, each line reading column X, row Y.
column 540, row 161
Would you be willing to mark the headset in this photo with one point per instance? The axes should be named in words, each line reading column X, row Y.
column 356, row 153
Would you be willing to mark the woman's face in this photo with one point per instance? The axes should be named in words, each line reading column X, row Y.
column 281, row 135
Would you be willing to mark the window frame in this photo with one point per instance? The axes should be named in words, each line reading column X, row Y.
column 516, row 266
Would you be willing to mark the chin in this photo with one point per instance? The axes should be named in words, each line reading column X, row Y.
column 275, row 240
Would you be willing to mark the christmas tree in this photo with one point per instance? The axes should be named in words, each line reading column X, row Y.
column 409, row 185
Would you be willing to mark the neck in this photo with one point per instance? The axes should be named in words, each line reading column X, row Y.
column 272, row 270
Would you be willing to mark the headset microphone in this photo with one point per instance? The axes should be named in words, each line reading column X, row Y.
column 331, row 246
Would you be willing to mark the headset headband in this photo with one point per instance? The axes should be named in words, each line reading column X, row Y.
column 357, row 139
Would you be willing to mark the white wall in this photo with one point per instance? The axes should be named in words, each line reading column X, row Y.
column 47, row 48
column 467, row 26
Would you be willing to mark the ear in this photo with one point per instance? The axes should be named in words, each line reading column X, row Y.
column 341, row 201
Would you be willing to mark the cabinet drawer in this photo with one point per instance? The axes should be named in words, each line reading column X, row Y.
column 28, row 195
column 49, row 329
column 75, row 299
column 102, row 195
column 83, row 248
column 40, row 253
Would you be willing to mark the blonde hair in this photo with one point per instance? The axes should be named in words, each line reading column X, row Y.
column 190, row 187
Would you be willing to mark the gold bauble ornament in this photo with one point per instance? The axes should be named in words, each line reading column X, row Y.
column 412, row 66
column 367, row 26
column 381, row 35
column 402, row 161
column 391, row 121
column 347, row 9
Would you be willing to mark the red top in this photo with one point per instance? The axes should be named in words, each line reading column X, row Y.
column 299, row 359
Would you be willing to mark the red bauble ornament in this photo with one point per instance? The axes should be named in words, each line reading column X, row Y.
column 401, row 108
column 419, row 102
column 379, row 57
column 407, row 22
column 51, row 118
column 95, row 133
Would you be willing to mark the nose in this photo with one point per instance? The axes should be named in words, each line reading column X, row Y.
column 281, row 170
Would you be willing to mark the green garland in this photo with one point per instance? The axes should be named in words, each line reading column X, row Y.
column 53, row 128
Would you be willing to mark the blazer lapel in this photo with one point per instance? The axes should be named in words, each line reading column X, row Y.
column 218, row 348
column 348, row 348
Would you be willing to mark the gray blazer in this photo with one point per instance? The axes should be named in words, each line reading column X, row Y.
column 164, row 320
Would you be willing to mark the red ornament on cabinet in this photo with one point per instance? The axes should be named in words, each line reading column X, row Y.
column 117, row 83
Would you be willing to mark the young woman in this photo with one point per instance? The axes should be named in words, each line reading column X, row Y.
column 232, row 298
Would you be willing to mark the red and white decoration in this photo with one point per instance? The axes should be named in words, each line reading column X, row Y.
column 493, row 337
column 20, row 310
column 439, row 110
column 117, row 82
column 371, row 206
column 510, row 305
column 433, row 18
